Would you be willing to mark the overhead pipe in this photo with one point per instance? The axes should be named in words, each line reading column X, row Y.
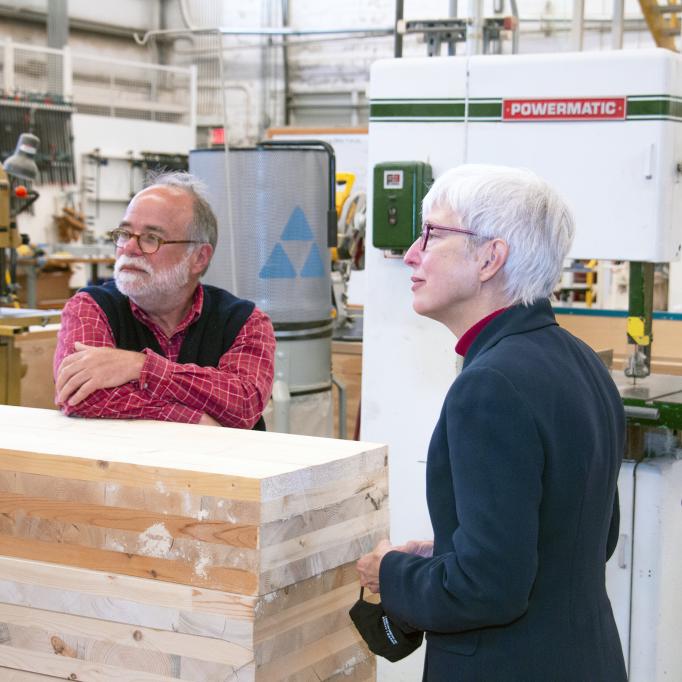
column 398, row 36
column 517, row 26
column 577, row 21
column 618, row 24
column 285, row 64
column 474, row 40
column 270, row 32
column 452, row 45
column 274, row 43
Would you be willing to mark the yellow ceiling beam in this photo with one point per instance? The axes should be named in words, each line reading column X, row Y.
column 662, row 23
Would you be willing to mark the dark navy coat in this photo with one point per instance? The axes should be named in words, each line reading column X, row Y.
column 521, row 488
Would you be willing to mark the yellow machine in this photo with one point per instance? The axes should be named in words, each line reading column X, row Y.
column 349, row 252
column 9, row 236
column 15, row 198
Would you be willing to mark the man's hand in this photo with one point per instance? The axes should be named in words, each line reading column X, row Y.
column 368, row 565
column 90, row 368
column 207, row 420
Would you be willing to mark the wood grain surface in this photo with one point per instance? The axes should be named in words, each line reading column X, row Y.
column 151, row 551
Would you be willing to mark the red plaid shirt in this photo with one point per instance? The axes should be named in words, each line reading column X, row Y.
column 234, row 393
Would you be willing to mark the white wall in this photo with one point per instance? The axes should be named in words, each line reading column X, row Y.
column 121, row 135
column 115, row 137
column 138, row 15
column 39, row 225
column 118, row 137
column 134, row 13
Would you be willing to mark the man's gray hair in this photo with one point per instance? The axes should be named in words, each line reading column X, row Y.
column 515, row 205
column 204, row 226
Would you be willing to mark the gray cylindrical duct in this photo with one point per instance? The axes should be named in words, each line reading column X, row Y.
column 282, row 213
column 279, row 214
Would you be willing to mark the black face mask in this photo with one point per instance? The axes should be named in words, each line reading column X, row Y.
column 384, row 636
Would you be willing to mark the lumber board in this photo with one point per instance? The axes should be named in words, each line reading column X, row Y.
column 290, row 619
column 372, row 482
column 118, row 518
column 67, row 668
column 308, row 632
column 109, row 587
column 236, row 632
column 96, row 650
column 87, row 469
column 233, row 457
column 354, row 503
column 335, row 555
column 215, row 577
column 307, row 658
column 8, row 675
column 185, row 504
column 69, row 627
column 338, row 667
column 298, row 547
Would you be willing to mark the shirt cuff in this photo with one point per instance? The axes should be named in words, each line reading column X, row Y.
column 156, row 372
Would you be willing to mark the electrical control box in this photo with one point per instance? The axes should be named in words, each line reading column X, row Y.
column 399, row 187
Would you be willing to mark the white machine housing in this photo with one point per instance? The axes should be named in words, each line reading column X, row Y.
column 601, row 127
column 618, row 169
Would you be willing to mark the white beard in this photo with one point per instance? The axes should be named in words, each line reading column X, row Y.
column 153, row 287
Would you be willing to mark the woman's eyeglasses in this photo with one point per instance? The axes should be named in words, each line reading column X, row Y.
column 427, row 228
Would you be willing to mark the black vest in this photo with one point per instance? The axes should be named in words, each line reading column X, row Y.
column 207, row 339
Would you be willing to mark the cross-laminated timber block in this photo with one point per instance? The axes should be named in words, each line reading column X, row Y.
column 268, row 523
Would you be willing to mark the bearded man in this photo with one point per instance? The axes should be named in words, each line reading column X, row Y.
column 155, row 343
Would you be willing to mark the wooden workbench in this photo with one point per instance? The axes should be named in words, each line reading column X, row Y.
column 28, row 339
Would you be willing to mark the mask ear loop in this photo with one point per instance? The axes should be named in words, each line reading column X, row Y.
column 362, row 592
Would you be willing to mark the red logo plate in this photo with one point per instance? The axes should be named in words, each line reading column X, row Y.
column 580, row 109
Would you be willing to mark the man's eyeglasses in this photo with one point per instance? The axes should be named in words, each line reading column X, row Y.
column 148, row 243
column 428, row 227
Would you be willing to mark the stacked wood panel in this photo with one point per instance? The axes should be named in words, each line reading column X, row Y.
column 149, row 551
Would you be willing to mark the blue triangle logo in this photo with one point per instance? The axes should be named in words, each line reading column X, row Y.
column 313, row 266
column 297, row 228
column 278, row 266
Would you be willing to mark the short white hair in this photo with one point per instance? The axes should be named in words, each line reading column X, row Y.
column 204, row 225
column 515, row 205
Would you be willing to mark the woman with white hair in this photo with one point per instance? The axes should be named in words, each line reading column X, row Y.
column 523, row 462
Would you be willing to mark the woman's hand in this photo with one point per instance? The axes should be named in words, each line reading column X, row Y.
column 368, row 566
column 423, row 548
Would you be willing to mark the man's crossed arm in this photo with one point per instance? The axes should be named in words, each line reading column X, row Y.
column 90, row 368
